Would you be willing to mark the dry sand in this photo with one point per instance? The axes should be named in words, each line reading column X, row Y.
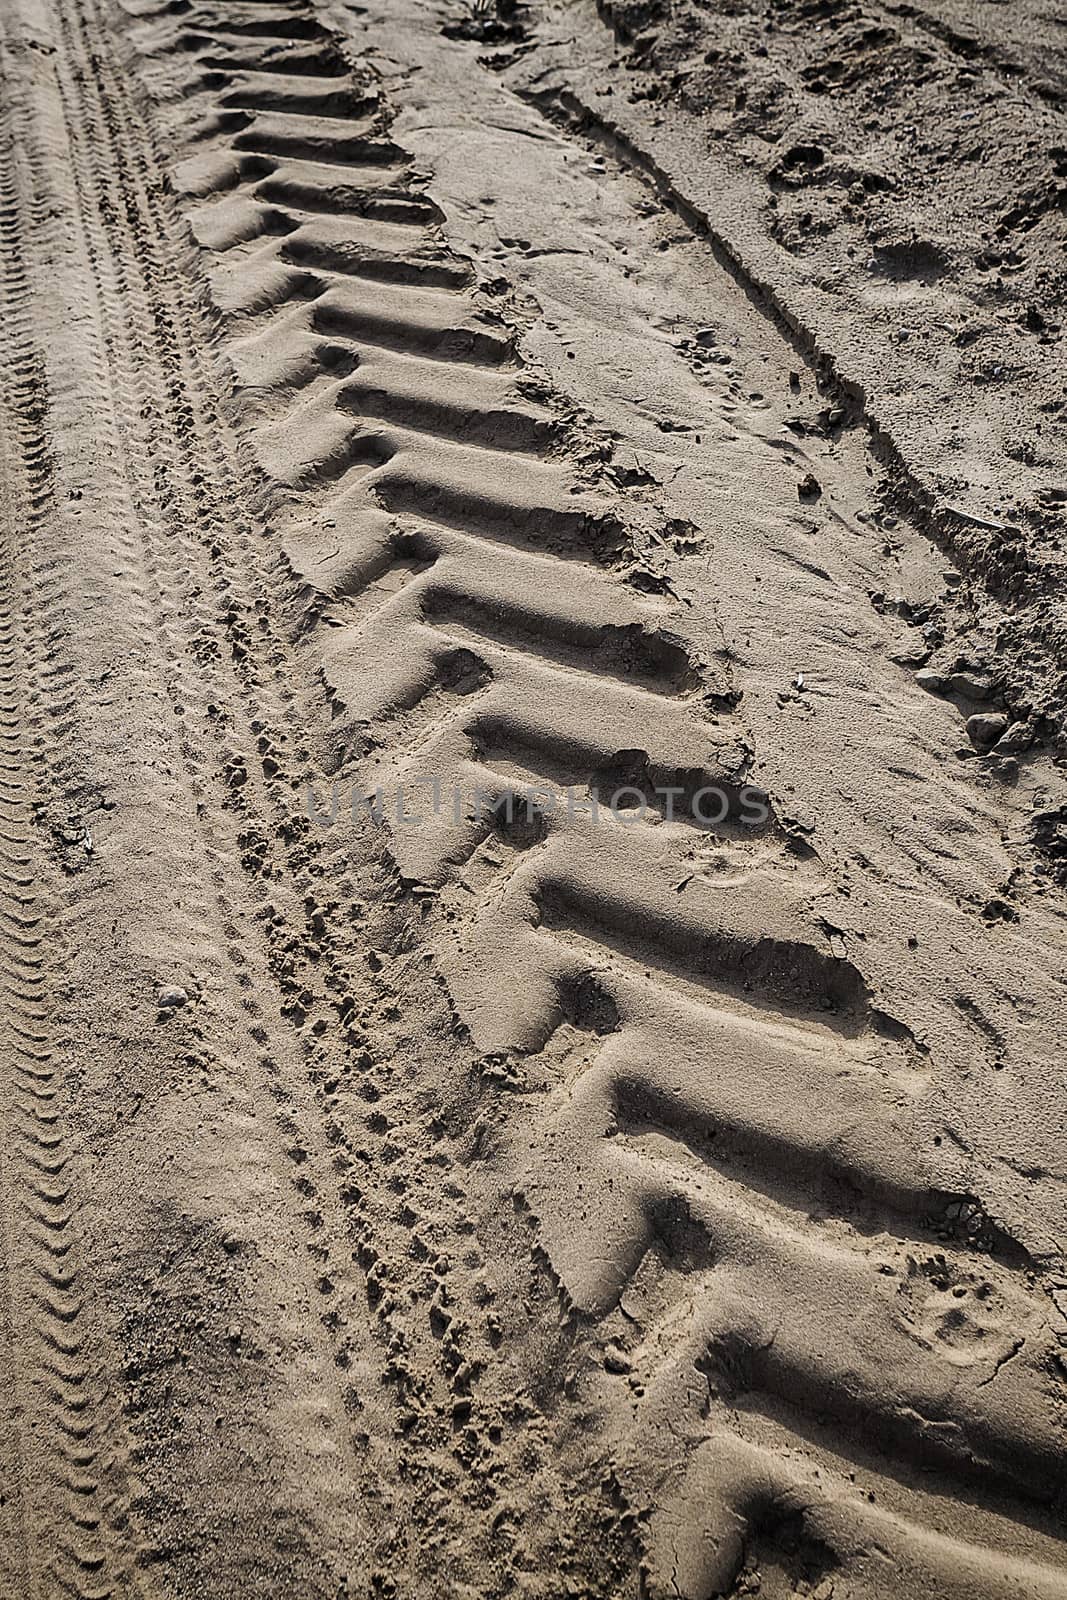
column 654, row 1186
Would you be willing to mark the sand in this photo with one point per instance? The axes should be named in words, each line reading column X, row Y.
column 532, row 808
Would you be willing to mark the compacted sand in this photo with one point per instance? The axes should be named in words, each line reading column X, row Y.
column 533, row 831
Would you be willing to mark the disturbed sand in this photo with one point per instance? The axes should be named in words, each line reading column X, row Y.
column 533, row 829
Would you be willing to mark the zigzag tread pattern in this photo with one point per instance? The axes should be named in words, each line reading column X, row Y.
column 60, row 1421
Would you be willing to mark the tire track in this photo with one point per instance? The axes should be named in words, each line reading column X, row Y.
column 414, row 1270
column 162, row 398
column 62, row 1470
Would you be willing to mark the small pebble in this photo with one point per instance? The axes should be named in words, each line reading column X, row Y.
column 933, row 682
column 975, row 685
column 809, row 488
column 616, row 1360
column 986, row 728
column 1019, row 737
column 169, row 997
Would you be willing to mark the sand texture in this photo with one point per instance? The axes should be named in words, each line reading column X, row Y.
column 533, row 824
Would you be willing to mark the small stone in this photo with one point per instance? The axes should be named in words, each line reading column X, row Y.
column 933, row 682
column 986, row 728
column 170, row 996
column 706, row 336
column 1019, row 737
column 975, row 685
column 809, row 487
column 616, row 1359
